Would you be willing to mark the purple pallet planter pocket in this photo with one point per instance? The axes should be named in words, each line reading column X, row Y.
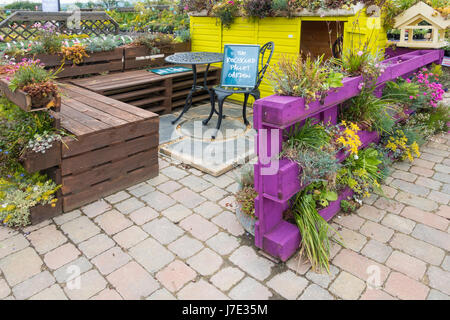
column 334, row 206
column 283, row 111
column 285, row 183
column 284, row 238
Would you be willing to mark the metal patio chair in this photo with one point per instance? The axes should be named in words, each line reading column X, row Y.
column 224, row 92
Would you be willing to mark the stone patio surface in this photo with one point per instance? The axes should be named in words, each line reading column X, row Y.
column 189, row 141
column 176, row 237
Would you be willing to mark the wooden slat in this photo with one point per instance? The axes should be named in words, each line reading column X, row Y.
column 73, row 126
column 104, row 117
column 88, row 160
column 82, row 181
column 85, row 143
column 130, row 95
column 115, row 103
column 86, row 120
column 105, row 108
column 143, row 102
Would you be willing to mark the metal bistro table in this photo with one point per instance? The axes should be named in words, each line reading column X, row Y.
column 194, row 59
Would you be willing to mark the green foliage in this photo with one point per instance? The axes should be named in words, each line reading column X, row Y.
column 19, row 191
column 28, row 74
column 422, row 125
column 313, row 229
column 226, row 11
column 362, row 172
column 321, row 193
column 280, row 5
column 154, row 40
column 401, row 90
column 257, row 8
column 23, row 5
column 19, row 195
column 99, row 44
column 17, row 128
column 308, row 135
column 348, row 206
column 309, row 146
column 246, row 194
column 307, row 78
column 183, row 35
column 148, row 19
column 369, row 111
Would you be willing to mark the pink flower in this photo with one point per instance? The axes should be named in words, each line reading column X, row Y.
column 360, row 53
column 408, row 80
column 231, row 2
column 411, row 97
column 424, row 93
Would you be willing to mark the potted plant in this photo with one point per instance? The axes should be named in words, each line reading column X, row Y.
column 29, row 79
column 245, row 199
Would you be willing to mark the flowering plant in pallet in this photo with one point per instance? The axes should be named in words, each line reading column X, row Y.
column 26, row 192
column 276, row 178
column 29, row 85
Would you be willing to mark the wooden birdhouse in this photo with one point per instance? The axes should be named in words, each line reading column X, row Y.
column 421, row 26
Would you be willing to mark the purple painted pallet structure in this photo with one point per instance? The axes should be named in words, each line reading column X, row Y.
column 276, row 180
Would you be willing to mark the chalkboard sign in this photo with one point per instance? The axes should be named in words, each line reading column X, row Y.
column 240, row 65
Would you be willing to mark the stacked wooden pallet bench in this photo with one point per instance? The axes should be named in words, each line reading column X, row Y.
column 144, row 89
column 111, row 146
column 114, row 145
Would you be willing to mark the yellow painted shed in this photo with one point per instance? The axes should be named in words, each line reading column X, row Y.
column 306, row 32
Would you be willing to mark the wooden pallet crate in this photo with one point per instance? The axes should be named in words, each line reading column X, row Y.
column 97, row 62
column 23, row 100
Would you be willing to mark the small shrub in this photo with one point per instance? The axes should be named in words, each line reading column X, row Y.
column 154, row 41
column 246, row 194
column 280, row 5
column 348, row 206
column 307, row 78
column 257, row 8
column 226, row 11
column 75, row 53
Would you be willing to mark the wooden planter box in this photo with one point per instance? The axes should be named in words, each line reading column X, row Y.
column 40, row 213
column 43, row 212
column 276, row 181
column 97, row 62
column 140, row 56
column 21, row 98
column 33, row 162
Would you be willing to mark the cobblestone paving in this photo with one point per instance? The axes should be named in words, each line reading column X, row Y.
column 176, row 237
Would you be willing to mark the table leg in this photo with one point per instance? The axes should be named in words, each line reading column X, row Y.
column 188, row 102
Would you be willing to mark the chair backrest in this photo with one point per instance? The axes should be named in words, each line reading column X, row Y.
column 256, row 69
column 267, row 48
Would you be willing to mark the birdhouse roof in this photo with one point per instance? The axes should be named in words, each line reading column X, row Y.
column 423, row 11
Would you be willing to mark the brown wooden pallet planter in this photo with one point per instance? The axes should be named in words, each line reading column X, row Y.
column 141, row 56
column 97, row 62
column 23, row 99
column 40, row 213
column 115, row 146
column 37, row 161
